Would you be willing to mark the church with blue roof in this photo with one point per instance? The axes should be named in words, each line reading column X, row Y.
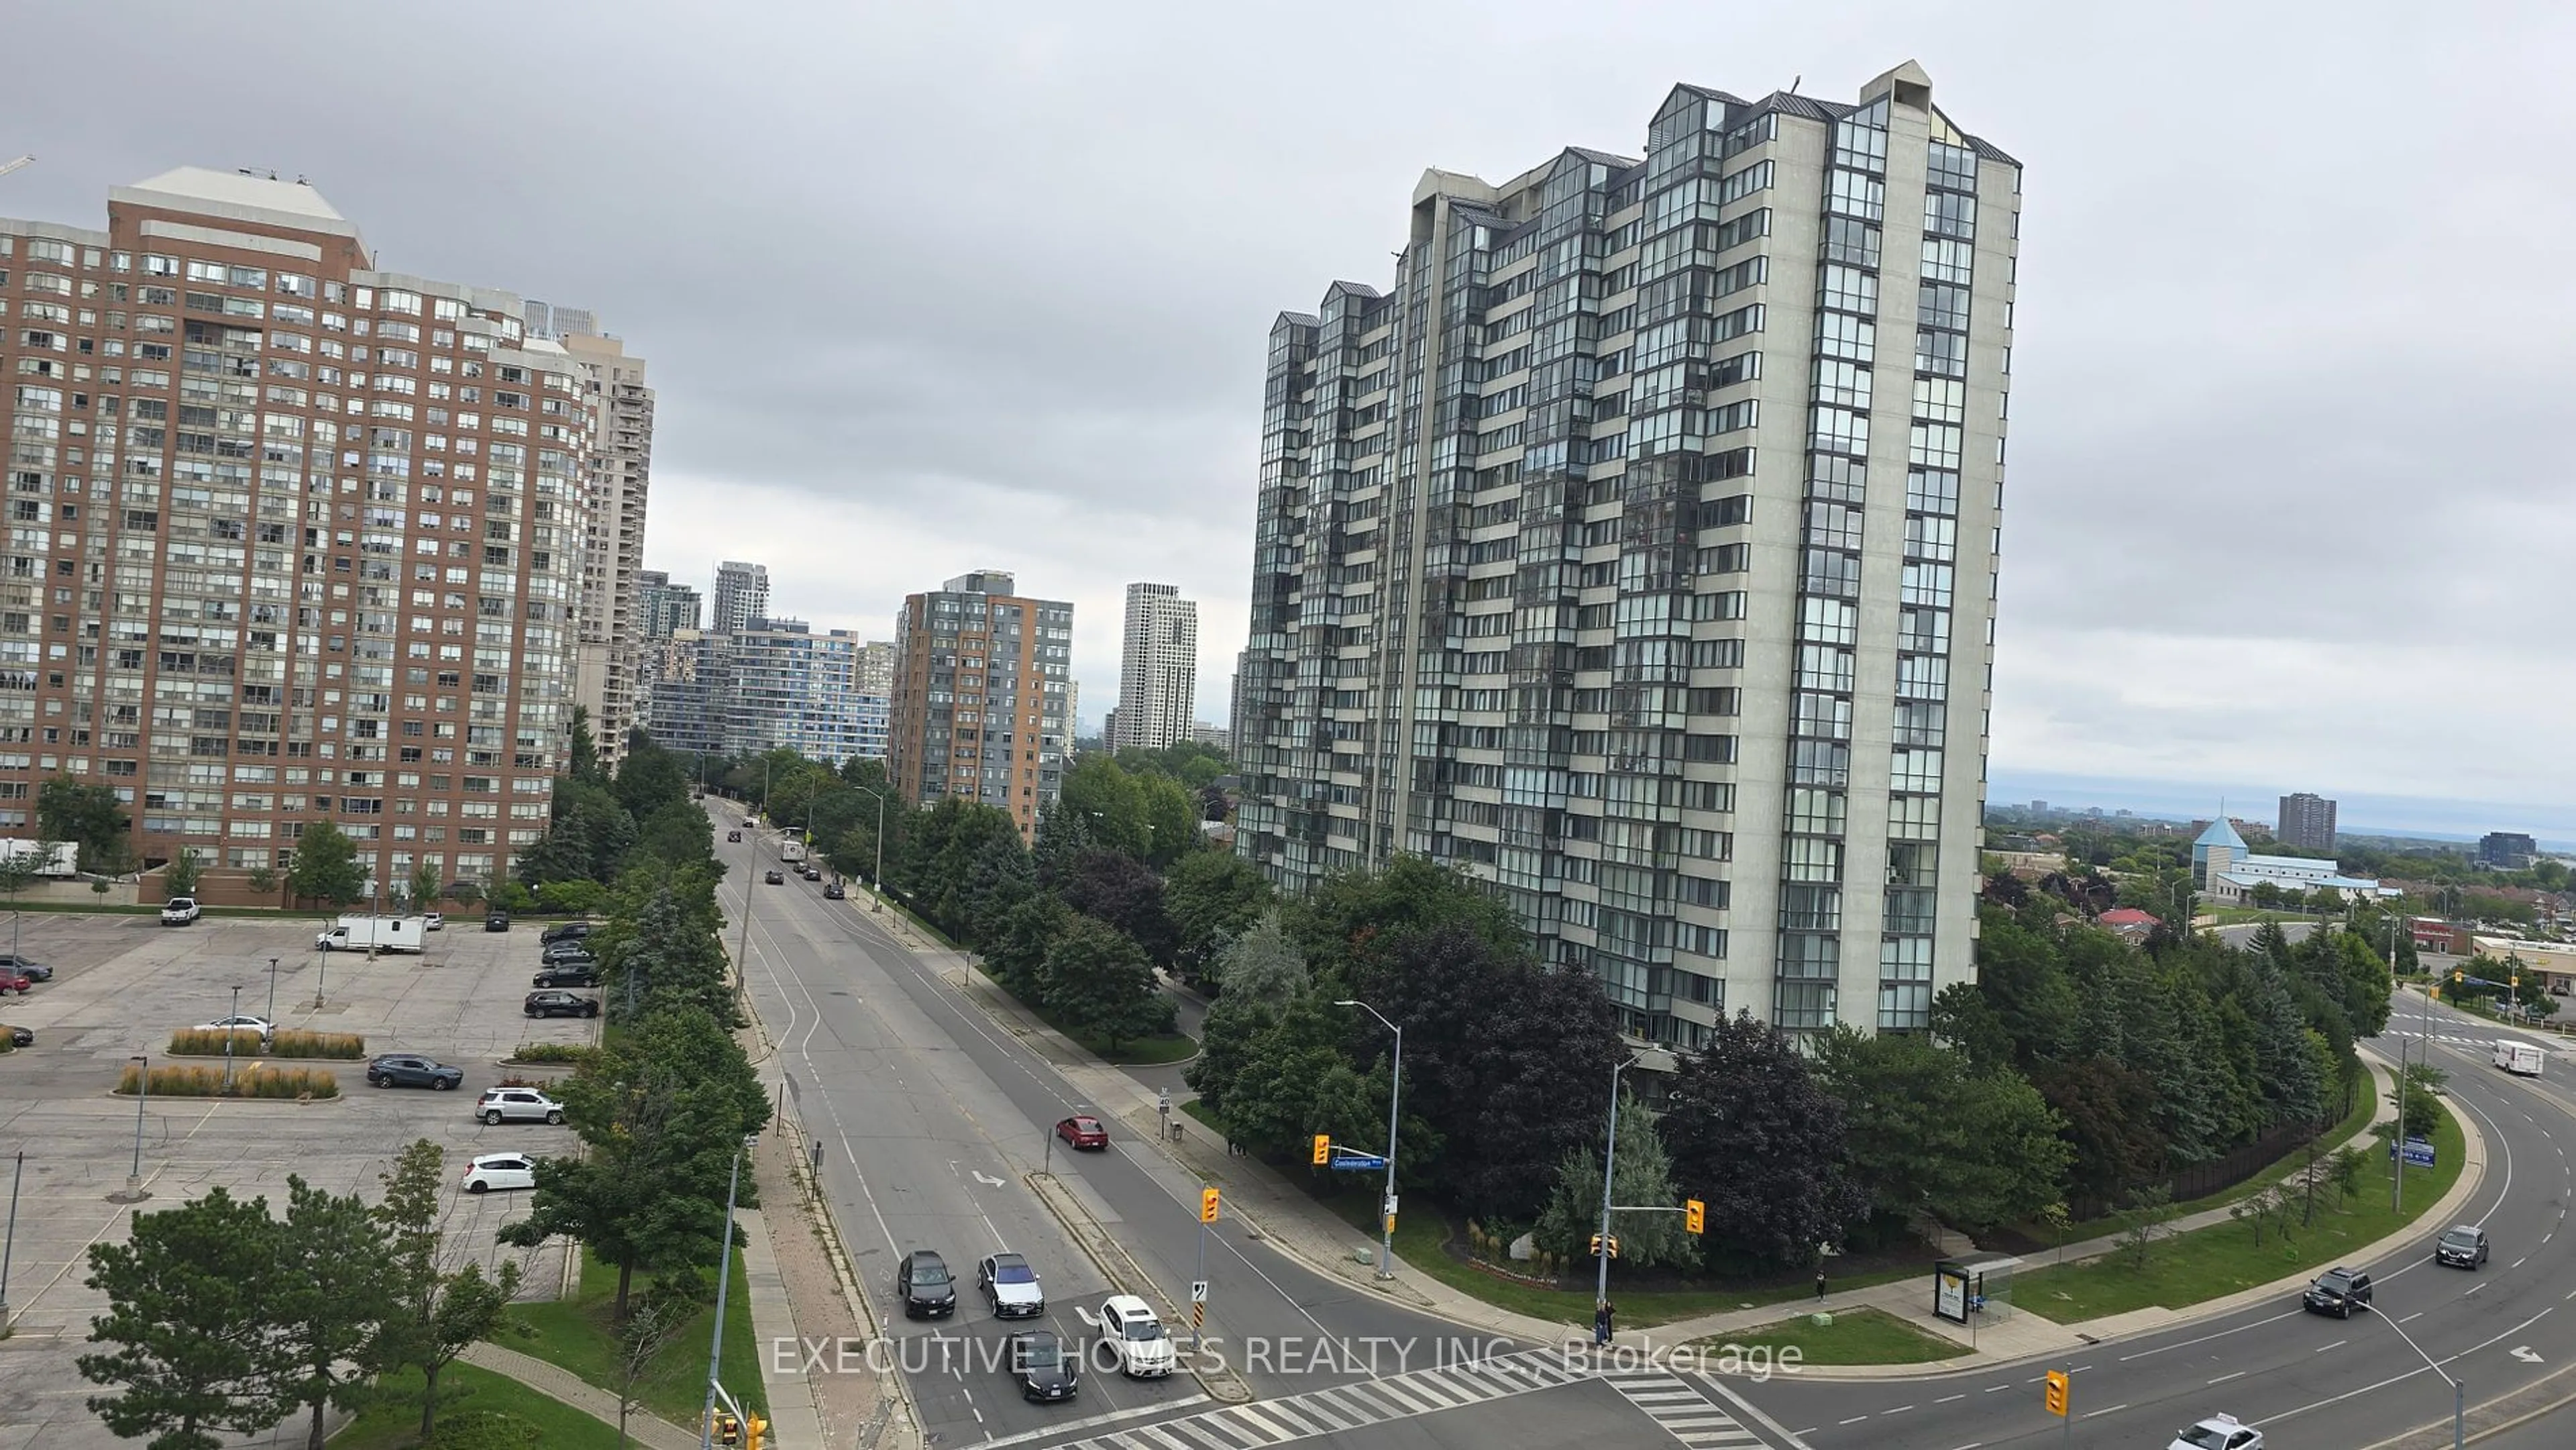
column 2225, row 871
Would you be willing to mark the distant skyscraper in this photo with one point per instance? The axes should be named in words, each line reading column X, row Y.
column 606, row 661
column 981, row 696
column 666, row 608
column 1158, row 675
column 547, row 320
column 794, row 689
column 2507, row 850
column 1635, row 552
column 742, row 595
column 2307, row 821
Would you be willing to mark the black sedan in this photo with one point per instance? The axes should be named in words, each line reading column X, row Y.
column 832, row 891
column 775, row 878
column 560, row 1004
column 567, row 974
column 402, row 1069
column 22, row 1036
column 496, row 921
column 1042, row 1366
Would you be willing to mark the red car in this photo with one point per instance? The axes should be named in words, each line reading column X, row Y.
column 1083, row 1132
column 13, row 980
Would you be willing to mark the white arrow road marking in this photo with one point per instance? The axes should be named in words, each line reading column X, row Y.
column 988, row 1182
column 2524, row 1353
column 1086, row 1316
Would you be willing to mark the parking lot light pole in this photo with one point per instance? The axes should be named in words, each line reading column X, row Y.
column 142, row 1090
column 1394, row 1104
column 272, row 989
column 321, row 974
column 232, row 1028
column 9, row 1245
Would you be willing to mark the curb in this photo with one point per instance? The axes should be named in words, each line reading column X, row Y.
column 1219, row 1380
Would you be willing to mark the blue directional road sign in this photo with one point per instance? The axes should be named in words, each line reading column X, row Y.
column 2419, row 1152
column 1357, row 1161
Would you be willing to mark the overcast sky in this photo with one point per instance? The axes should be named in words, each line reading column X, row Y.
column 929, row 287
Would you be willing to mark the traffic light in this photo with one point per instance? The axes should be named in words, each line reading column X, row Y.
column 1207, row 1205
column 1694, row 1216
column 728, row 1429
column 754, row 1432
column 1323, row 1150
column 2057, row 1392
column 1596, row 1246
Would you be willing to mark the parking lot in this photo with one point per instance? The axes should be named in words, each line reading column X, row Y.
column 121, row 985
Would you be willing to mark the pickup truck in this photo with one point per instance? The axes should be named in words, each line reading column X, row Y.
column 179, row 911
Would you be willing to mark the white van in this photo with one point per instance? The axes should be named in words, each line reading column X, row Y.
column 2523, row 1058
column 383, row 933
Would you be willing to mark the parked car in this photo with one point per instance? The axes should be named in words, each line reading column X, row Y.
column 517, row 1105
column 179, row 911
column 32, row 970
column 564, row 931
column 2218, row 1432
column 560, row 1004
column 2463, row 1245
column 496, row 921
column 487, row 1171
column 13, row 980
column 577, row 946
column 434, row 920
column 774, row 878
column 1042, row 1367
column 832, row 891
column 813, row 872
column 1010, row 1286
column 2338, row 1291
column 1144, row 1350
column 924, row 1287
column 1083, row 1131
column 567, row 974
column 733, row 836
column 243, row 1023
column 402, row 1069
column 21, row 1036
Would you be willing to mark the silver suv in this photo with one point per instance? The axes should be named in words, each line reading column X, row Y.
column 517, row 1105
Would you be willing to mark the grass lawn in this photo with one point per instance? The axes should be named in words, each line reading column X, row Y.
column 1863, row 1336
column 2212, row 1262
column 576, row 1334
column 1132, row 1052
column 464, row 1390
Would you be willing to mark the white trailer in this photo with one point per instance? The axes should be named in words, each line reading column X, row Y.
column 792, row 852
column 59, row 859
column 2521, row 1058
column 382, row 933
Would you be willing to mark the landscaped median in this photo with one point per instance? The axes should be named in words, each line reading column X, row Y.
column 2253, row 1249
column 250, row 1080
column 1855, row 1336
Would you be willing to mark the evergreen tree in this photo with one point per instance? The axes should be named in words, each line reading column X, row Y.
column 1640, row 1177
column 191, row 1300
column 334, row 1299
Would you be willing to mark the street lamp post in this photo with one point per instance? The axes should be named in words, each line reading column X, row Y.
column 272, row 989
column 1394, row 1107
column 232, row 1028
column 142, row 1090
column 724, row 1282
column 9, row 1245
column 1609, row 1162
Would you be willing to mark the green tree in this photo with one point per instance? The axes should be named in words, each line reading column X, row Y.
column 190, row 1301
column 425, row 889
column 1211, row 896
column 88, row 817
column 325, row 867
column 1642, row 1177
column 1754, row 1136
column 1929, row 1135
column 663, row 1108
column 18, row 870
column 584, row 764
column 334, row 1299
column 650, row 778
column 181, row 876
column 665, row 954
column 436, row 1310
column 1095, row 981
column 1262, row 965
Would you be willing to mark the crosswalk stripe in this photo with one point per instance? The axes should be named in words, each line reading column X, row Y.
column 1254, row 1417
column 1339, row 1409
column 1200, row 1431
column 1412, row 1398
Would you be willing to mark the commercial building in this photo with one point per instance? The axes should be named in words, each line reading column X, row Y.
column 742, row 595
column 292, row 539
column 1158, row 671
column 2307, row 821
column 982, row 709
column 607, row 658
column 664, row 607
column 2507, row 850
column 2226, row 871
column 1636, row 551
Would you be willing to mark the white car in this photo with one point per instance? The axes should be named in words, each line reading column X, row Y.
column 2219, row 1432
column 1144, row 1349
column 179, row 911
column 517, row 1105
column 433, row 921
column 1010, row 1286
column 241, row 1023
column 488, row 1171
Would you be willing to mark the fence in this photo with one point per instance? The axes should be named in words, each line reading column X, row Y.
column 2216, row 1175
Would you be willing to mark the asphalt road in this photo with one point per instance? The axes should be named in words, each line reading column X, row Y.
column 931, row 1115
column 2305, row 1380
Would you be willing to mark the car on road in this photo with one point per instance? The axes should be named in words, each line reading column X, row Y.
column 1042, row 1367
column 1144, row 1350
column 1083, row 1131
column 813, row 873
column 1010, row 1286
column 402, row 1069
column 496, row 921
column 2463, row 1246
column 179, row 911
column 567, row 974
column 241, row 1023
column 775, row 877
column 487, row 1171
column 748, row 822
column 832, row 891
column 2338, row 1291
column 563, row 931
column 20, row 1036
column 733, row 835
column 2218, row 1432
column 924, row 1287
column 517, row 1105
column 560, row 1004
column 433, row 921
column 33, row 971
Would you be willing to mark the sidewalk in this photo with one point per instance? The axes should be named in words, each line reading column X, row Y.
column 561, row 1384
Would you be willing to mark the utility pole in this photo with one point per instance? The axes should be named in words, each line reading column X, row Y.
column 1394, row 1109
column 9, row 1245
column 1609, row 1164
column 724, row 1283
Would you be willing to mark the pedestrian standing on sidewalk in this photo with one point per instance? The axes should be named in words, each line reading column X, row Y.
column 1602, row 1315
column 1820, row 1283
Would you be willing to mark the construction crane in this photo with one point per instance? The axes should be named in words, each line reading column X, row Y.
column 8, row 166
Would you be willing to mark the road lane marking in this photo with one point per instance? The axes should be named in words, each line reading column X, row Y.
column 1854, row 1420
column 2106, row 1410
column 2411, row 1318
column 1992, row 1389
column 2322, row 1348
column 1898, row 1410
column 1945, row 1399
column 2222, row 1379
